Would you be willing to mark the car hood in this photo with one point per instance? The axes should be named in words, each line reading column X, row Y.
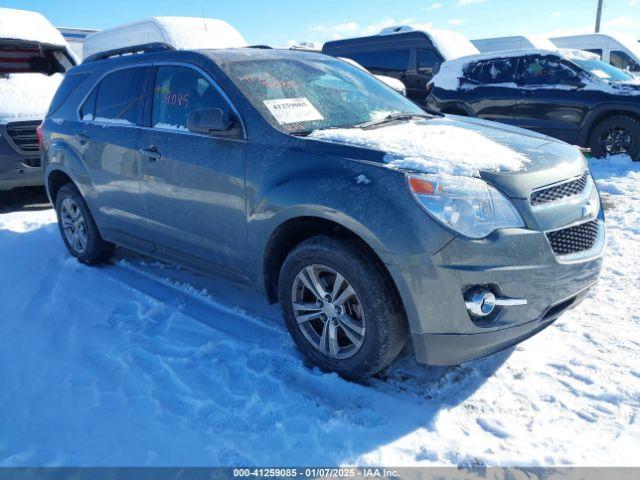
column 512, row 159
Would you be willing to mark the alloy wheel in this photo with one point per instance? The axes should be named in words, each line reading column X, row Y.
column 616, row 140
column 74, row 225
column 328, row 311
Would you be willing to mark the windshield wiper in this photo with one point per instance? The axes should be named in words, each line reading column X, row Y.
column 394, row 117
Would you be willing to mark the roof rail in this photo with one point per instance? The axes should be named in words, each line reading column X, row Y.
column 129, row 50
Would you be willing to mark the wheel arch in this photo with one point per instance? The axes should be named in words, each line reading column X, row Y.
column 296, row 230
column 599, row 117
column 56, row 179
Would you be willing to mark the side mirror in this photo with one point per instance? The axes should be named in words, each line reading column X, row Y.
column 211, row 121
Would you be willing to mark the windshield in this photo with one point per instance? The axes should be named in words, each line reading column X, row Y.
column 603, row 70
column 301, row 95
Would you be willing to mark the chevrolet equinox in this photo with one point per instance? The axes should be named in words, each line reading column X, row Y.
column 368, row 219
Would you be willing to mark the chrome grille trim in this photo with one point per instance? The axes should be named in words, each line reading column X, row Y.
column 560, row 191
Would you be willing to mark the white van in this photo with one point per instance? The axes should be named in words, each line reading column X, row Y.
column 33, row 59
column 180, row 33
column 75, row 38
column 518, row 42
column 619, row 50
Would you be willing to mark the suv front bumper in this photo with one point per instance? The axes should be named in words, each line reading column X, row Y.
column 18, row 169
column 515, row 263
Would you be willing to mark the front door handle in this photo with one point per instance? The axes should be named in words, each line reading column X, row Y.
column 82, row 138
column 152, row 154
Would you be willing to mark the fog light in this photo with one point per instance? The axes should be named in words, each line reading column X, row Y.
column 482, row 302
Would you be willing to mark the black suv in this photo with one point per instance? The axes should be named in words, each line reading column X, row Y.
column 569, row 95
column 411, row 56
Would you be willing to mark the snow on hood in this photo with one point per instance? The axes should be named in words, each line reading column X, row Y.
column 440, row 145
column 26, row 96
column 31, row 26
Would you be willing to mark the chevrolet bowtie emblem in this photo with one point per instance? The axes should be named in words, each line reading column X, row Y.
column 588, row 209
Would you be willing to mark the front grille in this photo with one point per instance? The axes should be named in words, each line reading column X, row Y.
column 24, row 135
column 574, row 239
column 561, row 191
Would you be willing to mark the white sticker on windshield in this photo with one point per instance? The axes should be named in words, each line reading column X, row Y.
column 293, row 110
column 600, row 73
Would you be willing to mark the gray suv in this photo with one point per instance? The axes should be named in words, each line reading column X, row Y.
column 277, row 169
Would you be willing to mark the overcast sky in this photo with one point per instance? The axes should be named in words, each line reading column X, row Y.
column 283, row 21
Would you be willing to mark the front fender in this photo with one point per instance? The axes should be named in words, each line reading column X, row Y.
column 368, row 199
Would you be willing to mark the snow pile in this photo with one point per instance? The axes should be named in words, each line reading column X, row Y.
column 431, row 146
column 26, row 96
column 25, row 25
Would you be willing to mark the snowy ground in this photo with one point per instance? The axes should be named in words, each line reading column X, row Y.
column 143, row 364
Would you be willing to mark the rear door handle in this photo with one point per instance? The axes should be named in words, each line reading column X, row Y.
column 82, row 138
column 152, row 154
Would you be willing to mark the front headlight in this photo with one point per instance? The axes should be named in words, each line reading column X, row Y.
column 467, row 205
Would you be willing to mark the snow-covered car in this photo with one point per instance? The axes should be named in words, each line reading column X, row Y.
column 571, row 95
column 410, row 56
column 306, row 178
column 33, row 59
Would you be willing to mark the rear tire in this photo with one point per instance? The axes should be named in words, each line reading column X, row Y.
column 365, row 325
column 78, row 229
column 619, row 134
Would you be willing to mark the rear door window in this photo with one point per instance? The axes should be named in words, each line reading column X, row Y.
column 493, row 72
column 120, row 97
column 177, row 92
column 384, row 60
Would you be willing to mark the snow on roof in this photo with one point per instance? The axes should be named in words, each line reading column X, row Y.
column 451, row 70
column 182, row 33
column 26, row 25
column 523, row 41
column 449, row 43
column 433, row 146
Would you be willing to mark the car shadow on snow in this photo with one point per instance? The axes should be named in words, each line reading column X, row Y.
column 24, row 200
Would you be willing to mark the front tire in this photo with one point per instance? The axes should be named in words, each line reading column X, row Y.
column 78, row 229
column 340, row 309
column 616, row 135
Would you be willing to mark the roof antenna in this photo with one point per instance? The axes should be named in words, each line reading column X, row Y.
column 204, row 23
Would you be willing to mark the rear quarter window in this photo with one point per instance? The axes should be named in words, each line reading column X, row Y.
column 70, row 83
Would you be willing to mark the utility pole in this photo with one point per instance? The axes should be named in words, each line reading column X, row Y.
column 599, row 16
